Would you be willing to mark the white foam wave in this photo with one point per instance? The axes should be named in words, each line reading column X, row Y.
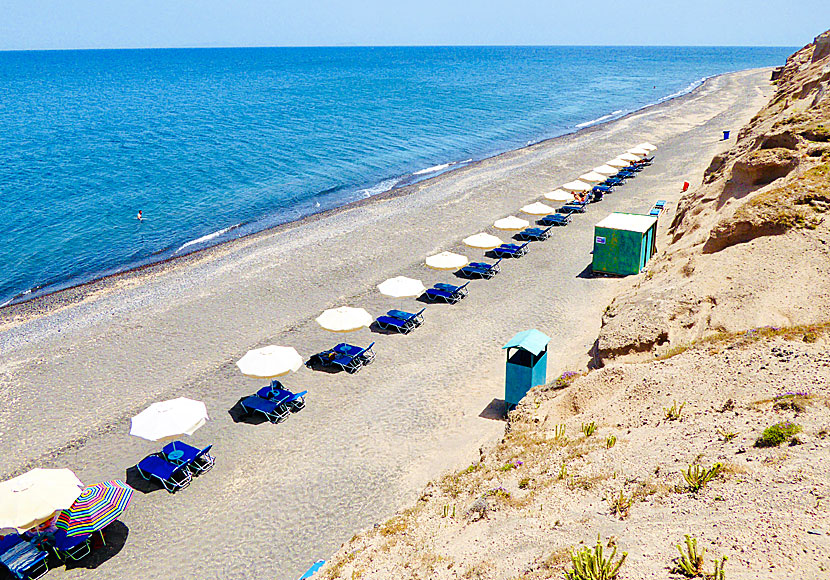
column 206, row 238
column 6, row 303
column 433, row 169
column 599, row 119
column 692, row 86
column 381, row 187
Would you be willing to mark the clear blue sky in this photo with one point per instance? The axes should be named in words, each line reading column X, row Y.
column 36, row 24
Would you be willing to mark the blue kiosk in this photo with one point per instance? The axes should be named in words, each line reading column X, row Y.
column 527, row 364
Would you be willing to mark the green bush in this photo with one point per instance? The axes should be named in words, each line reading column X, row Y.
column 777, row 434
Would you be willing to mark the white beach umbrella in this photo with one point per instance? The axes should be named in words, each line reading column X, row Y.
column 446, row 261
column 640, row 152
column 647, row 146
column 401, row 287
column 629, row 157
column 269, row 362
column 577, row 186
column 483, row 240
column 30, row 499
column 511, row 223
column 592, row 177
column 171, row 418
column 344, row 319
column 537, row 208
column 559, row 195
column 618, row 163
column 605, row 170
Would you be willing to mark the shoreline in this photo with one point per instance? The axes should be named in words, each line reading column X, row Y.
column 76, row 292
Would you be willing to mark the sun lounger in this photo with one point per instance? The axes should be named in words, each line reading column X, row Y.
column 574, row 207
column 173, row 477
column 655, row 211
column 347, row 357
column 625, row 174
column 71, row 547
column 274, row 411
column 23, row 559
column 294, row 401
column 396, row 324
column 511, row 250
column 661, row 203
column 480, row 270
column 196, row 460
column 417, row 318
column 602, row 189
column 555, row 219
column 447, row 293
column 534, row 234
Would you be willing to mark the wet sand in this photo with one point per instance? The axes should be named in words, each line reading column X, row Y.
column 77, row 365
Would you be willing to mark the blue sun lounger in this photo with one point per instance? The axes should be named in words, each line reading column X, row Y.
column 294, row 401
column 196, row 460
column 511, row 250
column 274, row 411
column 71, row 547
column 348, row 357
column 535, row 234
column 447, row 293
column 573, row 207
column 612, row 181
column 480, row 270
column 173, row 477
column 661, row 203
column 555, row 219
column 396, row 324
column 417, row 317
column 626, row 174
column 602, row 189
column 23, row 559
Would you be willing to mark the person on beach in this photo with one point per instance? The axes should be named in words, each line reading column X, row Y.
column 138, row 217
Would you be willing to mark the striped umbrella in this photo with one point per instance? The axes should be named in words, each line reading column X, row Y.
column 98, row 506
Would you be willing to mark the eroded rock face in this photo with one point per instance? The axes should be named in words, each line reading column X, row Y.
column 751, row 246
column 764, row 166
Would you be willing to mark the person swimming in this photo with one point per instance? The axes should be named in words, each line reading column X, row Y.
column 138, row 217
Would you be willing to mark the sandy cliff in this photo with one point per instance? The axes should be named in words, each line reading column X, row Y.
column 748, row 248
column 715, row 361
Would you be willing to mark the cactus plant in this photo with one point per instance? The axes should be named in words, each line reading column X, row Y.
column 697, row 477
column 591, row 564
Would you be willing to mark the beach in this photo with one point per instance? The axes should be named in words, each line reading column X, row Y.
column 78, row 364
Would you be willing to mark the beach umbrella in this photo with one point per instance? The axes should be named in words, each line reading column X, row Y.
column 401, row 287
column 559, row 195
column 592, row 177
column 537, row 209
column 629, row 157
column 447, row 261
column 647, row 146
column 344, row 319
column 638, row 151
column 577, row 186
column 168, row 419
column 97, row 507
column 605, row 170
column 30, row 499
column 618, row 163
column 483, row 241
column 511, row 223
column 269, row 362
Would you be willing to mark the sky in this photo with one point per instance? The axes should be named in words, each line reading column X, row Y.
column 64, row 24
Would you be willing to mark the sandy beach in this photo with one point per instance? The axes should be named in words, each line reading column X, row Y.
column 77, row 365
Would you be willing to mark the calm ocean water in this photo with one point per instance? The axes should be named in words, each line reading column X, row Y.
column 213, row 144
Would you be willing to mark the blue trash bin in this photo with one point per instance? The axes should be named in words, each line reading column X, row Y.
column 725, row 135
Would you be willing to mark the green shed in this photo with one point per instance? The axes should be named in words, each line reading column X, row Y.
column 527, row 364
column 624, row 243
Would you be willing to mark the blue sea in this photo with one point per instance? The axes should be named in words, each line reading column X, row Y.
column 213, row 144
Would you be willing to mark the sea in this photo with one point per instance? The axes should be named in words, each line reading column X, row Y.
column 215, row 144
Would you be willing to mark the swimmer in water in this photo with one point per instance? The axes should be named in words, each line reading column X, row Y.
column 138, row 217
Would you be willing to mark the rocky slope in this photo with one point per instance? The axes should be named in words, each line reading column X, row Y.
column 749, row 247
column 716, row 362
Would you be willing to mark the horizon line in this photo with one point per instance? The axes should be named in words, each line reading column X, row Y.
column 208, row 47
